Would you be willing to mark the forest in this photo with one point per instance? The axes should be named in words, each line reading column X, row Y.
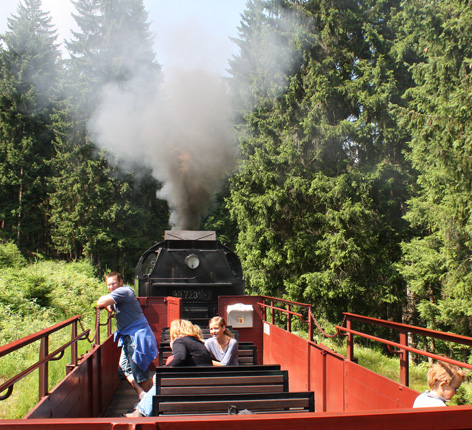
column 337, row 159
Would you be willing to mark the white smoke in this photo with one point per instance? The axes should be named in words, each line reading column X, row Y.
column 181, row 128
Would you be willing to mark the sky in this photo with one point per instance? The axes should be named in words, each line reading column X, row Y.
column 194, row 31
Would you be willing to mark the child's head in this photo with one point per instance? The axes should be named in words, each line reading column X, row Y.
column 445, row 379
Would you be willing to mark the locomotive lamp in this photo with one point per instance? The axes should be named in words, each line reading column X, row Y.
column 192, row 261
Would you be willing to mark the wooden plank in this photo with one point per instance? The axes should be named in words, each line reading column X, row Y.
column 273, row 402
column 199, row 369
column 221, row 389
column 165, row 381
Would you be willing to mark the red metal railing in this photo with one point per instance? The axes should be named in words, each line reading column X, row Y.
column 402, row 345
column 45, row 356
column 404, row 330
column 288, row 312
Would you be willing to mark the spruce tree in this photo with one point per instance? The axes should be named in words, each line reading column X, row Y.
column 319, row 196
column 437, row 262
column 29, row 69
column 113, row 214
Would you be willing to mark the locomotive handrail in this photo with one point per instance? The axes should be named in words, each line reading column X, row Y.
column 408, row 348
column 59, row 352
column 404, row 330
column 20, row 343
column 44, row 355
column 457, row 338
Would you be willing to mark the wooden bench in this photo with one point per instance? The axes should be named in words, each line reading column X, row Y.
column 165, row 333
column 219, row 404
column 247, row 354
column 201, row 369
column 262, row 381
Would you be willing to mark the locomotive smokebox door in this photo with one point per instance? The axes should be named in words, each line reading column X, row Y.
column 194, row 266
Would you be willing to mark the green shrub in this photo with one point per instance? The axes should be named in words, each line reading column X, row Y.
column 34, row 296
column 10, row 256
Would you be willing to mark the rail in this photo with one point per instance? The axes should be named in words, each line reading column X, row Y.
column 345, row 329
column 288, row 312
column 45, row 356
column 403, row 349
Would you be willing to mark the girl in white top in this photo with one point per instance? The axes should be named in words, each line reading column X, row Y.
column 222, row 344
column 444, row 379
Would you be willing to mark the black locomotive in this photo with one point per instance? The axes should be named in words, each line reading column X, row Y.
column 192, row 265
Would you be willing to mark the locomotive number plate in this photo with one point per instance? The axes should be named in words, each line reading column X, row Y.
column 193, row 294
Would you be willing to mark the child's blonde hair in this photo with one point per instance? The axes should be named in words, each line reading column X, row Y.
column 441, row 371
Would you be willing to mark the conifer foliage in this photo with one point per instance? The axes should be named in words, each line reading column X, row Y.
column 437, row 261
column 60, row 193
column 319, row 195
column 29, row 65
column 353, row 120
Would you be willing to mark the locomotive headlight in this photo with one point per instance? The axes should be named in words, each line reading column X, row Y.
column 192, row 261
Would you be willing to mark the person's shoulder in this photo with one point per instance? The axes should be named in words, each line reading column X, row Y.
column 123, row 294
column 124, row 290
column 428, row 399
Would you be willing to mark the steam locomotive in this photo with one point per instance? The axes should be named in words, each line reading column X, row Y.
column 194, row 266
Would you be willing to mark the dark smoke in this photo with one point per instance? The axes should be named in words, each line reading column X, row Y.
column 182, row 129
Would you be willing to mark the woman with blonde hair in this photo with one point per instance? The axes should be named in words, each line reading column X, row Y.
column 187, row 349
column 222, row 344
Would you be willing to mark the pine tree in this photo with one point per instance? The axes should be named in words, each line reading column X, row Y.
column 319, row 196
column 29, row 70
column 111, row 215
column 437, row 262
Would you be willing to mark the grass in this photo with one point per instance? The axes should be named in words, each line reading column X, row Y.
column 25, row 393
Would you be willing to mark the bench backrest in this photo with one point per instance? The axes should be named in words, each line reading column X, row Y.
column 165, row 333
column 219, row 404
column 200, row 369
column 218, row 382
column 247, row 354
column 224, row 385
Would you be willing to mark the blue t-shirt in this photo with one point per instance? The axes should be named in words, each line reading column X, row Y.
column 127, row 308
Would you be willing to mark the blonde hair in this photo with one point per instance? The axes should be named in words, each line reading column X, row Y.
column 180, row 328
column 198, row 331
column 441, row 371
column 222, row 323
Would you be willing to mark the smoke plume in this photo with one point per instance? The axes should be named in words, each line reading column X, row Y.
column 181, row 128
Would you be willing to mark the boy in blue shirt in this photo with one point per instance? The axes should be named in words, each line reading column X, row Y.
column 138, row 343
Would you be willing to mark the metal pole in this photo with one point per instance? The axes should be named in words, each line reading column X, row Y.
column 289, row 319
column 404, row 359
column 44, row 368
column 350, row 341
